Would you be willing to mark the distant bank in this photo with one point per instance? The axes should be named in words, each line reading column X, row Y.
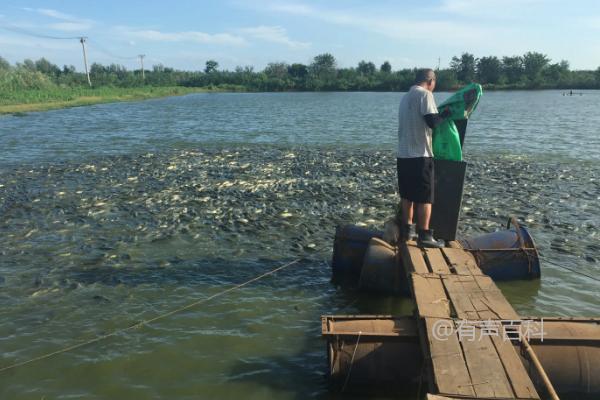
column 44, row 100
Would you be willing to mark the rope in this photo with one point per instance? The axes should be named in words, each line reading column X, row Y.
column 148, row 321
column 351, row 363
column 572, row 270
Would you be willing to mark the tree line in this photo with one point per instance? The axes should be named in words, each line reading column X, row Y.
column 532, row 70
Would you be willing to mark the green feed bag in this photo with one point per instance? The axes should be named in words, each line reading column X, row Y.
column 446, row 140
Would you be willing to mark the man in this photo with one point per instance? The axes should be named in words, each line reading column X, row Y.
column 418, row 116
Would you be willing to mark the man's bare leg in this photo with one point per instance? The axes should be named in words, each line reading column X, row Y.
column 423, row 215
column 426, row 238
column 407, row 212
column 407, row 230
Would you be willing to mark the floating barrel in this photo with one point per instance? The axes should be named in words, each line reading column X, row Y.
column 372, row 351
column 368, row 352
column 506, row 255
column 349, row 248
column 570, row 354
column 381, row 270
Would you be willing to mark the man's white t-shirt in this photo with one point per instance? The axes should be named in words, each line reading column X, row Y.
column 414, row 136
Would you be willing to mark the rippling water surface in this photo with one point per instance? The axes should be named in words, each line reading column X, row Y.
column 115, row 213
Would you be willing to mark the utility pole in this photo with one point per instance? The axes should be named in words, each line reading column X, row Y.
column 439, row 61
column 82, row 41
column 141, row 56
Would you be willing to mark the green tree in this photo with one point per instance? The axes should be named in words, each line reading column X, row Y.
column 533, row 64
column 68, row 69
column 277, row 70
column 323, row 71
column 489, row 69
column 211, row 66
column 446, row 80
column 366, row 68
column 557, row 73
column 512, row 67
column 597, row 76
column 386, row 67
column 464, row 67
column 46, row 67
column 27, row 64
column 298, row 71
column 4, row 65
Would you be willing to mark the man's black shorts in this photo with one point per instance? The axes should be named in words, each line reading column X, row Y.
column 415, row 179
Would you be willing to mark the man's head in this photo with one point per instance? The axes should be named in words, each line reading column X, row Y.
column 426, row 78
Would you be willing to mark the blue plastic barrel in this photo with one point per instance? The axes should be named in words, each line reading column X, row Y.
column 349, row 248
column 506, row 255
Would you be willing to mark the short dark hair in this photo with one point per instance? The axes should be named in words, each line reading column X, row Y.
column 424, row 75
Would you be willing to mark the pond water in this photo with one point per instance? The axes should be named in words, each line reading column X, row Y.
column 115, row 213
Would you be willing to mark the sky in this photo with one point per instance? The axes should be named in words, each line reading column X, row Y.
column 184, row 34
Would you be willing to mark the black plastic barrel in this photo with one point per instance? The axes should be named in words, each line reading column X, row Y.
column 349, row 248
column 506, row 255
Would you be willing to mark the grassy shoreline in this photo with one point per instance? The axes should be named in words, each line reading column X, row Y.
column 45, row 100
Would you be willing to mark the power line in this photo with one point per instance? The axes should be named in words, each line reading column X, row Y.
column 108, row 52
column 16, row 29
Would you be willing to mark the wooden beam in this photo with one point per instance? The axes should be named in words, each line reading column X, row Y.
column 412, row 257
column 487, row 371
column 430, row 296
column 477, row 298
column 520, row 381
column 449, row 366
column 436, row 261
column 463, row 262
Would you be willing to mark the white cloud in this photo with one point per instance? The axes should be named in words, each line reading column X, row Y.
column 273, row 34
column 487, row 8
column 293, row 8
column 70, row 22
column 187, row 36
column 69, row 26
column 55, row 14
column 396, row 27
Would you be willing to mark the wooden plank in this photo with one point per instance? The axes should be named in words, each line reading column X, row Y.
column 449, row 367
column 436, row 261
column 477, row 298
column 324, row 325
column 455, row 244
column 494, row 299
column 438, row 397
column 463, row 262
column 412, row 257
column 461, row 303
column 394, row 326
column 521, row 382
column 427, row 363
column 485, row 367
column 430, row 296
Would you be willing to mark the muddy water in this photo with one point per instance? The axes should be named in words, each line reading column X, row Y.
column 116, row 213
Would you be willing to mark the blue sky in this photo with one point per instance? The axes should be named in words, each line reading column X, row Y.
column 184, row 33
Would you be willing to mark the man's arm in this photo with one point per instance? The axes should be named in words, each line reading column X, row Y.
column 434, row 120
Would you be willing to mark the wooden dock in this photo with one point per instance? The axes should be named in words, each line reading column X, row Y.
column 461, row 316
